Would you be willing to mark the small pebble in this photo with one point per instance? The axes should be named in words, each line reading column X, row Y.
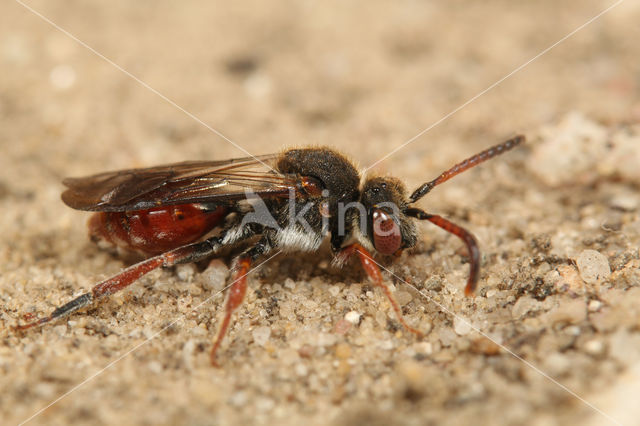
column 557, row 363
column 624, row 346
column 433, row 283
column 155, row 367
column 306, row 351
column 626, row 202
column 568, row 151
column 594, row 347
column 568, row 311
column 334, row 290
column 353, row 317
column 325, row 339
column 381, row 318
column 62, row 77
column 623, row 155
column 569, row 280
column 413, row 373
column 461, row 326
column 403, row 297
column 595, row 305
column 484, row 346
column 44, row 390
column 239, row 399
column 524, row 305
column 342, row 327
column 343, row 368
column 60, row 330
column 287, row 310
column 187, row 353
column 386, row 345
column 194, row 290
column 215, row 276
column 572, row 330
column 343, row 350
column 447, row 336
column 185, row 272
column 257, row 85
column 424, row 348
column 301, row 369
column 593, row 266
column 261, row 335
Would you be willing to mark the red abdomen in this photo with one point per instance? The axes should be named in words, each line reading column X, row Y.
column 156, row 230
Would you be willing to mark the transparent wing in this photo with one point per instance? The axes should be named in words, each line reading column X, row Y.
column 179, row 183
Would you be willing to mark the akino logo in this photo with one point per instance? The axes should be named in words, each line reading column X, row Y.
column 298, row 213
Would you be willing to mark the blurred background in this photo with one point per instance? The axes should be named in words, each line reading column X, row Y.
column 361, row 76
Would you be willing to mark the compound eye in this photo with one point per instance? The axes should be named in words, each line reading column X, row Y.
column 387, row 238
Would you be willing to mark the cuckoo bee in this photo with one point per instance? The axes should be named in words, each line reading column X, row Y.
column 190, row 211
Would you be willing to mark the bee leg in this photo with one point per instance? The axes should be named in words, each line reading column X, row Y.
column 464, row 235
column 184, row 254
column 374, row 274
column 238, row 289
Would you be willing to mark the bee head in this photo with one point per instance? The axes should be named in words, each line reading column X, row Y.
column 389, row 229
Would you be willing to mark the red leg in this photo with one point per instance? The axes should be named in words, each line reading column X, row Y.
column 234, row 299
column 464, row 235
column 372, row 270
column 125, row 278
column 472, row 248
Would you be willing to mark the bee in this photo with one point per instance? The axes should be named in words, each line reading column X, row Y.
column 291, row 201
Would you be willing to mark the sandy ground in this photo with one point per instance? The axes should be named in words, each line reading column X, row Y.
column 553, row 335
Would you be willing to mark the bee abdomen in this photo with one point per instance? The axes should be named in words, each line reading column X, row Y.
column 156, row 230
